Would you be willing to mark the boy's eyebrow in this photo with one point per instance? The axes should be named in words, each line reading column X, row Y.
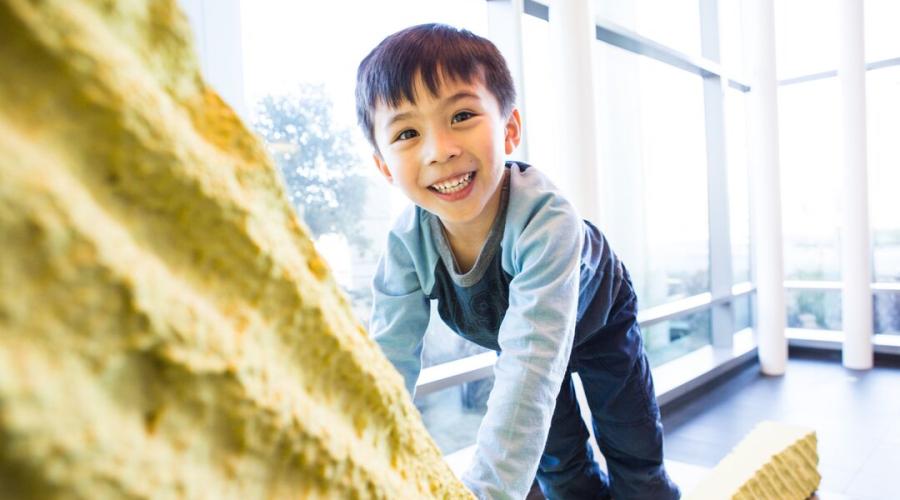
column 462, row 94
column 398, row 117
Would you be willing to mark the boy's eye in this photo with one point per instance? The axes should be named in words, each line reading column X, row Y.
column 406, row 135
column 462, row 116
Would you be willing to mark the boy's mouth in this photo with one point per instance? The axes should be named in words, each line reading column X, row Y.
column 453, row 185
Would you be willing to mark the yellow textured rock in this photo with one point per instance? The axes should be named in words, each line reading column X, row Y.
column 774, row 462
column 166, row 327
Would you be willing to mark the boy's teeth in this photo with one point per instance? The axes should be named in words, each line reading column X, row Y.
column 454, row 185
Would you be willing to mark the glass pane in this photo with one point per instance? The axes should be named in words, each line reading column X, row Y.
column 882, row 37
column 674, row 338
column 743, row 312
column 883, row 106
column 806, row 37
column 738, row 183
column 810, row 172
column 817, row 309
column 675, row 23
column 887, row 312
column 453, row 415
column 652, row 148
column 300, row 61
column 539, row 119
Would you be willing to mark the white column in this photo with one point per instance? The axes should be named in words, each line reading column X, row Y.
column 720, row 273
column 855, row 245
column 765, row 186
column 573, row 35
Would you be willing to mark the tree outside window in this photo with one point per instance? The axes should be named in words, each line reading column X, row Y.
column 322, row 173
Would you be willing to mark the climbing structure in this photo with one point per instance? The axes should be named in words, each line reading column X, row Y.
column 166, row 326
column 774, row 462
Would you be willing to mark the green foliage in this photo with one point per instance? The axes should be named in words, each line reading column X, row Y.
column 823, row 306
column 321, row 170
column 810, row 274
column 695, row 283
column 807, row 303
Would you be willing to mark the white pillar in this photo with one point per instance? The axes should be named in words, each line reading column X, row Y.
column 765, row 186
column 573, row 35
column 720, row 273
column 855, row 245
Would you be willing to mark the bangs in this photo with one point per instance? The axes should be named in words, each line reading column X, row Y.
column 432, row 52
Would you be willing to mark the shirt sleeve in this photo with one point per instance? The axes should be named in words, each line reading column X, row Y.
column 535, row 340
column 400, row 311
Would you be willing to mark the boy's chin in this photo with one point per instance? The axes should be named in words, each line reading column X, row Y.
column 455, row 218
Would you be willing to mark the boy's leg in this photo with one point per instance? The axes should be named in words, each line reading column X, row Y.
column 567, row 469
column 619, row 389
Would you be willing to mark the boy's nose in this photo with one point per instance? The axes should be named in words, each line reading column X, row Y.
column 442, row 148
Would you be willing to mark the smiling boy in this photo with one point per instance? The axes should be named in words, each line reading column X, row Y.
column 513, row 268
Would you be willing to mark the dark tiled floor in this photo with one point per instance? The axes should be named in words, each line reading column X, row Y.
column 856, row 415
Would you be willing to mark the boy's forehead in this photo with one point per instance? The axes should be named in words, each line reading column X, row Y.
column 446, row 88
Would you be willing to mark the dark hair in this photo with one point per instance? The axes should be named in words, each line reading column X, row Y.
column 388, row 73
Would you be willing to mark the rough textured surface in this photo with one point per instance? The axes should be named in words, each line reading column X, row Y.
column 775, row 461
column 166, row 327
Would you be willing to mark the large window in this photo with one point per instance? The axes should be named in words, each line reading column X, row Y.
column 743, row 312
column 738, row 183
column 676, row 337
column 731, row 48
column 653, row 157
column 887, row 312
column 539, row 119
column 811, row 136
column 672, row 148
column 809, row 130
column 818, row 309
column 809, row 139
column 674, row 23
column 805, row 37
column 453, row 415
column 881, row 18
column 883, row 108
column 883, row 98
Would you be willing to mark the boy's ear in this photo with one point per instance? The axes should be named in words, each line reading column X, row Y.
column 382, row 167
column 513, row 131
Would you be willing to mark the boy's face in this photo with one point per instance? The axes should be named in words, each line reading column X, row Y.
column 446, row 152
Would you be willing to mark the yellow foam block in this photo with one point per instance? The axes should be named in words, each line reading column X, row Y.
column 775, row 461
column 167, row 329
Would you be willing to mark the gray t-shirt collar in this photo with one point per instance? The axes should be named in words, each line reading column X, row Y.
column 488, row 250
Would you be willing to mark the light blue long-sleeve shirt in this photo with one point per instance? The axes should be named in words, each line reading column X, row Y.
column 521, row 298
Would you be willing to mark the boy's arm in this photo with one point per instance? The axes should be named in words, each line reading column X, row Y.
column 535, row 340
column 400, row 312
